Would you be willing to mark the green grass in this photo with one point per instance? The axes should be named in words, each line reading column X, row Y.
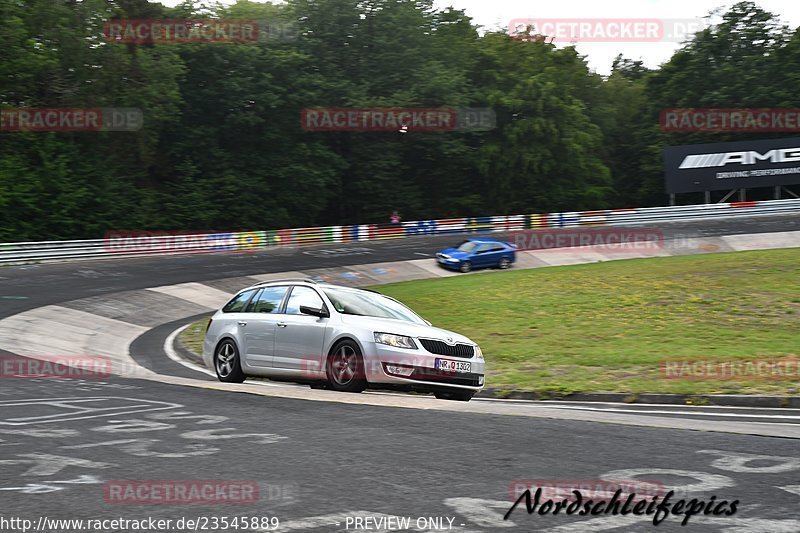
column 605, row 327
column 192, row 337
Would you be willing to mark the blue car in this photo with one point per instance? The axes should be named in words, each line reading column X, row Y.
column 477, row 253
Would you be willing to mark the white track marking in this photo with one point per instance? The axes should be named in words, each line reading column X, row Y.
column 708, row 482
column 604, row 523
column 482, row 512
column 172, row 354
column 664, row 412
column 213, row 434
column 737, row 462
column 794, row 489
column 133, row 425
column 188, row 415
column 73, row 410
column 573, row 405
column 97, row 444
column 141, row 448
column 43, row 464
column 41, row 433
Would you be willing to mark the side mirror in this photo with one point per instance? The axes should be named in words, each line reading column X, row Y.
column 313, row 311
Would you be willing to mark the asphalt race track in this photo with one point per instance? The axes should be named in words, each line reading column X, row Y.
column 330, row 466
column 46, row 284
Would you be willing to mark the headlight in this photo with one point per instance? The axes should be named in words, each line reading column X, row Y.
column 478, row 352
column 398, row 341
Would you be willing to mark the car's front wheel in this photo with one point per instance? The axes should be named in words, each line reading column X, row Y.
column 465, row 267
column 227, row 364
column 504, row 263
column 345, row 368
column 459, row 396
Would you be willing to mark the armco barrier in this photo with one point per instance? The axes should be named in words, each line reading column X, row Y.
column 123, row 244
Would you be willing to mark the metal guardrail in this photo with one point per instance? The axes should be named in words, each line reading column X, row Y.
column 135, row 243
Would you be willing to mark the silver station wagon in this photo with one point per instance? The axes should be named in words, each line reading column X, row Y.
column 339, row 338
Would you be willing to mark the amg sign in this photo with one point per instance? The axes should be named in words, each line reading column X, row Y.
column 736, row 165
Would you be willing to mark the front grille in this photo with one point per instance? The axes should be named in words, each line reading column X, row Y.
column 430, row 374
column 441, row 348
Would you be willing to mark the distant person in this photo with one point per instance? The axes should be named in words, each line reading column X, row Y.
column 395, row 218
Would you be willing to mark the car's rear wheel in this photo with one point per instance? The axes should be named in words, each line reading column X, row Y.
column 459, row 396
column 227, row 364
column 345, row 368
column 504, row 263
column 465, row 267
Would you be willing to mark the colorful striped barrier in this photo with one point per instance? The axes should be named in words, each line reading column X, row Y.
column 138, row 242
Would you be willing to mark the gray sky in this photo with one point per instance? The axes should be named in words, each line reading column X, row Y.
column 492, row 14
column 495, row 13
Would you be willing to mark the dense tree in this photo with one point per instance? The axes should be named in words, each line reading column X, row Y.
column 222, row 146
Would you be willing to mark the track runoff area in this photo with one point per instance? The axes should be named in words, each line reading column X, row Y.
column 112, row 453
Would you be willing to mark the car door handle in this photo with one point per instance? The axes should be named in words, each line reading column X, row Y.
column 282, row 324
column 242, row 323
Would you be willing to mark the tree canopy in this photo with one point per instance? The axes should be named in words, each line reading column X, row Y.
column 222, row 145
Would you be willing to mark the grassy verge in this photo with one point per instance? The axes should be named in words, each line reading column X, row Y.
column 192, row 337
column 606, row 327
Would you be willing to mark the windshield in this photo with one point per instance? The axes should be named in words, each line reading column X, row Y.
column 466, row 246
column 363, row 303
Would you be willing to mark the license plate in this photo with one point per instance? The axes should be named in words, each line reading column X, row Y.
column 449, row 365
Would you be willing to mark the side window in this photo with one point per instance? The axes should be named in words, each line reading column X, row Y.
column 239, row 301
column 268, row 300
column 482, row 249
column 302, row 296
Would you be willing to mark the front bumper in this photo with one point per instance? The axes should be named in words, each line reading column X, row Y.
column 451, row 264
column 424, row 375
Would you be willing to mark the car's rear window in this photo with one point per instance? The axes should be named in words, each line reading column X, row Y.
column 236, row 305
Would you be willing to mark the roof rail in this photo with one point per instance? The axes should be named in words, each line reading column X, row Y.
column 307, row 280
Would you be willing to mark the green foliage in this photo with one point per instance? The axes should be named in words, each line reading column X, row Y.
column 222, row 146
